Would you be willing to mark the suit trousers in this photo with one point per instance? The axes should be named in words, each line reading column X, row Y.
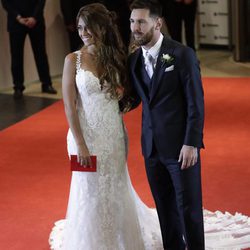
column 178, row 199
column 37, row 40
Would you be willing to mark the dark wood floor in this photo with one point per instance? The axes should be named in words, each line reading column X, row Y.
column 13, row 111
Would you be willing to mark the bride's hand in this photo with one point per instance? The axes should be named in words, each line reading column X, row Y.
column 83, row 156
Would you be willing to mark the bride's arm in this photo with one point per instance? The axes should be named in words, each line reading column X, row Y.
column 69, row 99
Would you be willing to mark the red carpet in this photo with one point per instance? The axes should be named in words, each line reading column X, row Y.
column 35, row 177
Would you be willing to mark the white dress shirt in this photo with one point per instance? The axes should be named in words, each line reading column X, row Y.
column 153, row 51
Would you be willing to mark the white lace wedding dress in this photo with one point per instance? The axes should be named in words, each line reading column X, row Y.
column 104, row 212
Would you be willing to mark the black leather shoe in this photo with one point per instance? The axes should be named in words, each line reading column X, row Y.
column 18, row 94
column 49, row 90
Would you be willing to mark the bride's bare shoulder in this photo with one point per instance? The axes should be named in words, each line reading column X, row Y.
column 71, row 57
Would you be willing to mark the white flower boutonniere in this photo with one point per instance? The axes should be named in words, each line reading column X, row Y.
column 166, row 58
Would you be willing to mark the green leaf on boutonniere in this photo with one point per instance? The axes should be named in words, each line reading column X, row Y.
column 166, row 58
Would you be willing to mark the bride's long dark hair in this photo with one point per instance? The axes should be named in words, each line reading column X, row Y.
column 111, row 52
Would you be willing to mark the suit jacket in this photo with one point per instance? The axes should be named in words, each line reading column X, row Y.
column 25, row 8
column 173, row 111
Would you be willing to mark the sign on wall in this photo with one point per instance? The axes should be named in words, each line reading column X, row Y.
column 213, row 22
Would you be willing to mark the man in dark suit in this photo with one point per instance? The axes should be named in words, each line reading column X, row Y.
column 177, row 12
column 26, row 18
column 165, row 76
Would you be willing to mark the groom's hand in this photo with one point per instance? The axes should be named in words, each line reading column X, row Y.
column 188, row 156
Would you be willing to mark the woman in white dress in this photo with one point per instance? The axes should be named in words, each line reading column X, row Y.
column 101, row 211
column 104, row 212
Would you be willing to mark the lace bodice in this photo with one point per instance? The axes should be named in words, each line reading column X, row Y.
column 99, row 115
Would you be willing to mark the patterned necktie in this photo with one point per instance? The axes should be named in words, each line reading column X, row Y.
column 149, row 64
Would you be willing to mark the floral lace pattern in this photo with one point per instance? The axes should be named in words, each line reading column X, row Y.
column 104, row 212
column 101, row 212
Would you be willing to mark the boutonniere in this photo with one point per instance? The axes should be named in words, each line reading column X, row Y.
column 166, row 58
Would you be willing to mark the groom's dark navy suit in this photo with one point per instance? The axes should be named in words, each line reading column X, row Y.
column 172, row 116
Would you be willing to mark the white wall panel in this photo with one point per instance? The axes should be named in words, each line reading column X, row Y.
column 213, row 22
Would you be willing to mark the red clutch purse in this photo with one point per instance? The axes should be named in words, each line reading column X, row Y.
column 76, row 166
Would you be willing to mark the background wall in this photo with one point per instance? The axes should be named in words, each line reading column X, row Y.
column 56, row 41
column 213, row 21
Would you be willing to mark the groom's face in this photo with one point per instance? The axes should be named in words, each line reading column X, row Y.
column 143, row 26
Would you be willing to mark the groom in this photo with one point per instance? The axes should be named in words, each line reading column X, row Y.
column 165, row 76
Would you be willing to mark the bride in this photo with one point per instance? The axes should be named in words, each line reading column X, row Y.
column 104, row 212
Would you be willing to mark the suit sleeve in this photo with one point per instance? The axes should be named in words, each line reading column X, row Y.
column 67, row 11
column 131, row 97
column 193, row 91
column 134, row 97
column 38, row 11
column 13, row 12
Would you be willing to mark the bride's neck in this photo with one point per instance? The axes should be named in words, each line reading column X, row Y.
column 91, row 49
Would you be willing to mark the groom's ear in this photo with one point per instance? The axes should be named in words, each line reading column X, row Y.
column 158, row 23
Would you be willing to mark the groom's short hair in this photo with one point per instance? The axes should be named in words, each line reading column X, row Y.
column 154, row 7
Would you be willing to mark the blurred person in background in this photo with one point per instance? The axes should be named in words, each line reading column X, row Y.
column 26, row 18
column 70, row 9
column 175, row 13
column 121, row 7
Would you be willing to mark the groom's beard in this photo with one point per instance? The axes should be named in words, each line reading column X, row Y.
column 140, row 39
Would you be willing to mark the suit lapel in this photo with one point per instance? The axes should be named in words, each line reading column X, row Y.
column 166, row 48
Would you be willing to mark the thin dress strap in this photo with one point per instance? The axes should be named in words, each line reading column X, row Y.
column 78, row 60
